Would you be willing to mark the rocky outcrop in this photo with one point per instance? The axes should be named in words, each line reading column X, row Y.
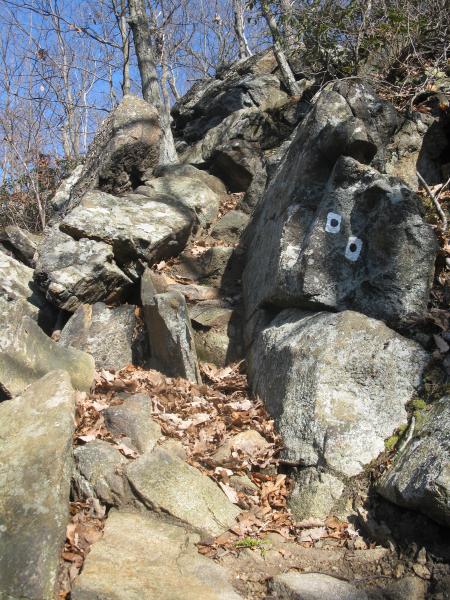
column 125, row 146
column 420, row 475
column 75, row 272
column 35, row 466
column 26, row 354
column 108, row 334
column 314, row 586
column 17, row 285
column 217, row 333
column 142, row 229
column 196, row 194
column 337, row 385
column 164, row 482
column 169, row 330
column 144, row 556
column 332, row 232
column 21, row 243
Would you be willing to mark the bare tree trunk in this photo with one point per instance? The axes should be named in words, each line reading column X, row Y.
column 151, row 91
column 121, row 18
column 290, row 33
column 286, row 71
column 238, row 13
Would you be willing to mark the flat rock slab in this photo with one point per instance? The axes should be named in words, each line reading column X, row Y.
column 140, row 229
column 194, row 193
column 143, row 557
column 35, row 467
column 314, row 586
column 165, row 482
column 105, row 333
column 22, row 243
column 27, row 353
column 420, row 475
column 74, row 272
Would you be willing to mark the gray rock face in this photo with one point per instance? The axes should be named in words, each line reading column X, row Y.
column 133, row 420
column 35, row 465
column 26, row 354
column 230, row 227
column 144, row 556
column 75, row 272
column 332, row 232
column 337, row 385
column 420, row 476
column 124, row 147
column 314, row 586
column 169, row 332
column 214, row 183
column 196, row 194
column 164, row 482
column 62, row 194
column 17, row 285
column 105, row 333
column 98, row 474
column 217, row 333
column 248, row 84
column 141, row 229
column 22, row 243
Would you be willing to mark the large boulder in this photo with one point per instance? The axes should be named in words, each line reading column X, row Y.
column 333, row 232
column 164, row 482
column 27, row 353
column 142, row 229
column 419, row 477
column 74, row 272
column 169, row 330
column 314, row 586
column 180, row 169
column 35, row 467
column 17, row 285
column 124, row 147
column 145, row 556
column 250, row 83
column 337, row 385
column 21, row 243
column 108, row 334
column 196, row 194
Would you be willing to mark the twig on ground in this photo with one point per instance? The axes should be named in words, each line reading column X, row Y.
column 435, row 199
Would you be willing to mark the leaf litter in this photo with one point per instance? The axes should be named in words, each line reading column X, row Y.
column 202, row 417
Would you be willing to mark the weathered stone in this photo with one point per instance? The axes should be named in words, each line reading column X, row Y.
column 26, row 354
column 180, row 169
column 141, row 229
column 229, row 228
column 193, row 193
column 337, row 385
column 144, row 556
column 410, row 588
column 35, row 465
column 133, row 419
column 314, row 586
column 98, row 473
column 164, row 482
column 75, row 272
column 334, row 232
column 22, row 243
column 246, row 443
column 420, row 475
column 170, row 335
column 62, row 194
column 217, row 333
column 16, row 284
column 316, row 494
column 105, row 333
column 124, row 147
